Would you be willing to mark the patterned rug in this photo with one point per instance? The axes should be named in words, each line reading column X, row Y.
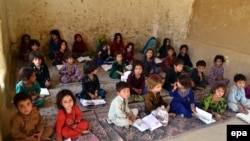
column 101, row 130
column 97, row 115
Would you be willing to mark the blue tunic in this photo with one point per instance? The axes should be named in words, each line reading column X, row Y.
column 181, row 103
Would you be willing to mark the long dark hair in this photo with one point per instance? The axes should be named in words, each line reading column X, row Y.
column 61, row 94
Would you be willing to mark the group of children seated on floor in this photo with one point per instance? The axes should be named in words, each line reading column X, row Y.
column 144, row 83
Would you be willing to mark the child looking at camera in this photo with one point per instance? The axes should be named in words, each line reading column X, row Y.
column 27, row 124
column 90, row 83
column 236, row 98
column 69, row 122
column 215, row 102
column 29, row 85
column 119, row 112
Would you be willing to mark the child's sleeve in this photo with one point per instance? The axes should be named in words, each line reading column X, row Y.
column 84, row 84
column 148, row 103
column 78, row 114
column 37, row 88
column 119, row 112
column 59, row 124
column 162, row 102
column 40, row 124
column 77, row 72
column 142, row 85
column 191, row 96
column 123, row 67
column 19, row 88
column 16, row 125
column 46, row 71
column 172, row 93
column 231, row 96
column 205, row 102
column 127, row 108
column 63, row 70
column 212, row 74
column 222, row 105
column 98, row 83
column 190, row 64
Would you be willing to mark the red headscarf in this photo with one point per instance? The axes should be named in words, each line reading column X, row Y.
column 79, row 47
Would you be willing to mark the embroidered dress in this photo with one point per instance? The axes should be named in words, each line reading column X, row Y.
column 182, row 101
column 217, row 106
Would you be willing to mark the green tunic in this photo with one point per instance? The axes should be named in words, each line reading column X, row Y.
column 218, row 106
column 116, row 67
column 34, row 89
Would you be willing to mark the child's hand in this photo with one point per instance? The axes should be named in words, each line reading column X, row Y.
column 193, row 108
column 92, row 96
column 108, row 47
column 47, row 83
column 174, row 86
column 74, row 126
column 139, row 91
column 96, row 93
column 245, row 110
column 152, row 71
column 192, row 84
column 132, row 117
column 34, row 96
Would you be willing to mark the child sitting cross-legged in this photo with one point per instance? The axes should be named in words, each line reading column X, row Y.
column 183, row 97
column 136, row 81
column 172, row 74
column 36, row 61
column 27, row 124
column 119, row 112
column 70, row 72
column 29, row 85
column 236, row 98
column 198, row 76
column 118, row 67
column 153, row 99
column 90, row 83
column 69, row 122
column 215, row 102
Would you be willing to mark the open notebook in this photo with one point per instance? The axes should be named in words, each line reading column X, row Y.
column 158, row 60
column 204, row 116
column 59, row 67
column 44, row 92
column 85, row 102
column 244, row 117
column 106, row 67
column 125, row 75
column 148, row 122
column 82, row 59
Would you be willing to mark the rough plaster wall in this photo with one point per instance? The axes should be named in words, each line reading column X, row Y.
column 136, row 20
column 221, row 27
column 6, row 77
